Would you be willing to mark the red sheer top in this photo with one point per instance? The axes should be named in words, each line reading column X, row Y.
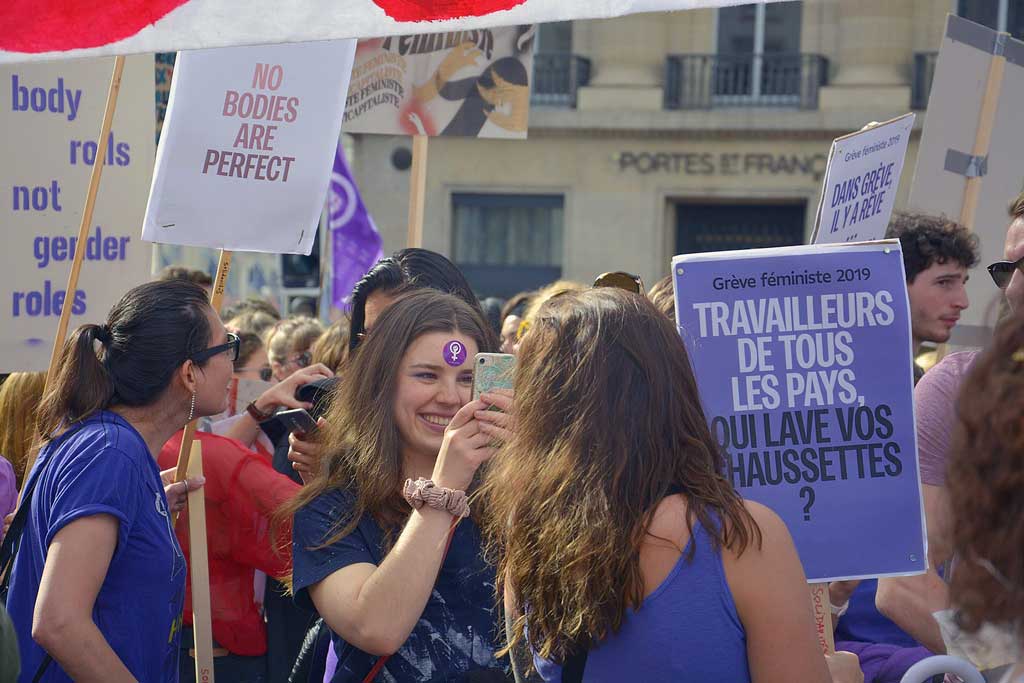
column 242, row 492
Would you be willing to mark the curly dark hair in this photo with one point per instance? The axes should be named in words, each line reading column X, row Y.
column 927, row 240
column 986, row 477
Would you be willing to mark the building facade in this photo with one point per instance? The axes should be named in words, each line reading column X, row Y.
column 657, row 134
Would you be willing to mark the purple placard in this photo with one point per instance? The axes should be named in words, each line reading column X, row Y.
column 355, row 242
column 802, row 356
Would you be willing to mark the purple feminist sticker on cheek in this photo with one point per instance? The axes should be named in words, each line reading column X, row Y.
column 454, row 353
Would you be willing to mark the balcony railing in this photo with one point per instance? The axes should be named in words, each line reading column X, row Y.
column 748, row 80
column 924, row 72
column 556, row 77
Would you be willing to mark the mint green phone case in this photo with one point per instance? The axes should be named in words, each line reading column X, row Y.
column 492, row 371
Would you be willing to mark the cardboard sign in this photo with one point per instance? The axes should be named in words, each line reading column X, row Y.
column 466, row 83
column 802, row 356
column 49, row 118
column 246, row 150
column 859, row 191
column 953, row 153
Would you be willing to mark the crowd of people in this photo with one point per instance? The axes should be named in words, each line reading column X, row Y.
column 579, row 527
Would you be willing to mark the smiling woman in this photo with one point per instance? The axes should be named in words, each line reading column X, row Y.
column 365, row 556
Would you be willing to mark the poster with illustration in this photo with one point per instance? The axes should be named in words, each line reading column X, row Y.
column 463, row 83
column 802, row 357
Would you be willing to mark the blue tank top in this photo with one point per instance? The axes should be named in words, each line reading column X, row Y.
column 687, row 630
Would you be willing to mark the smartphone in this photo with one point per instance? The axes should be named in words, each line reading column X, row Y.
column 297, row 420
column 492, row 371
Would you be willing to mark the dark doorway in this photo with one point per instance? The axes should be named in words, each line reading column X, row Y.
column 703, row 226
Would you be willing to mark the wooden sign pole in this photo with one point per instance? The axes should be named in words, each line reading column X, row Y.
column 216, row 296
column 199, row 569
column 417, row 190
column 83, row 227
column 983, row 136
column 823, row 617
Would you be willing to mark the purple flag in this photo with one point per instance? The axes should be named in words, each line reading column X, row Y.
column 355, row 242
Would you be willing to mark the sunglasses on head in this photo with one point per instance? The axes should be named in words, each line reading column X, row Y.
column 1002, row 271
column 303, row 360
column 620, row 280
column 231, row 345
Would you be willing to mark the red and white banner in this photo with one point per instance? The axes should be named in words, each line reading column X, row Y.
column 55, row 29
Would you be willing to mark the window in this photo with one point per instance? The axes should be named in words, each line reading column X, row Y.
column 702, row 226
column 1001, row 15
column 507, row 243
column 554, row 37
column 758, row 50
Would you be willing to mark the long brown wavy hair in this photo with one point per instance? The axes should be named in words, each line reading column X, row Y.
column 608, row 423
column 985, row 480
column 361, row 441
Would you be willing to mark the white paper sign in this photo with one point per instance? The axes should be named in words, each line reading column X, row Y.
column 247, row 146
column 860, row 185
column 50, row 116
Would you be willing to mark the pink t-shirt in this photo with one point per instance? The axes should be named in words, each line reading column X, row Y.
column 935, row 399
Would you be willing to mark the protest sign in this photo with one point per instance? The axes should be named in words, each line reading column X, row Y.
column 355, row 242
column 463, row 83
column 802, row 356
column 859, row 190
column 49, row 118
column 54, row 29
column 246, row 149
column 968, row 164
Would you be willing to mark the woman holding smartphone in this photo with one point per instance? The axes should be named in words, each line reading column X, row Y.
column 620, row 545
column 98, row 581
column 402, row 446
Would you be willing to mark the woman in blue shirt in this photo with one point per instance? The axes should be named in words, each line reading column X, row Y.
column 366, row 557
column 98, row 582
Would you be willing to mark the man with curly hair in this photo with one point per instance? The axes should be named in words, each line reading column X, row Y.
column 911, row 601
column 937, row 253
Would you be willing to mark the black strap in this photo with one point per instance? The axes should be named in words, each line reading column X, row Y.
column 575, row 664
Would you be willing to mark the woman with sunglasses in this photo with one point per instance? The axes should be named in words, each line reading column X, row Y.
column 98, row 581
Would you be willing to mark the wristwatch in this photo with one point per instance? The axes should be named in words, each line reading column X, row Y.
column 256, row 413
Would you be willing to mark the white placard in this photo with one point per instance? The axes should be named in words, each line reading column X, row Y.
column 859, row 191
column 247, row 146
column 50, row 116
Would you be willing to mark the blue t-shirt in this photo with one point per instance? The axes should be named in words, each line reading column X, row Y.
column 105, row 468
column 458, row 631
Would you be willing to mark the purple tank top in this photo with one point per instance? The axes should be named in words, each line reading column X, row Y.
column 686, row 630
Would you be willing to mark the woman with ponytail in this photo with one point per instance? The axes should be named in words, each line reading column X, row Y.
column 98, row 581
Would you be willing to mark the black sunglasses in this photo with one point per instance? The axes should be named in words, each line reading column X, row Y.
column 232, row 345
column 1002, row 271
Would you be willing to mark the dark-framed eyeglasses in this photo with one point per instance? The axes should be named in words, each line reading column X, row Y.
column 231, row 345
column 1002, row 271
column 620, row 280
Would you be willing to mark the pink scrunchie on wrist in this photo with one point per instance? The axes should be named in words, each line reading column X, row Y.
column 424, row 492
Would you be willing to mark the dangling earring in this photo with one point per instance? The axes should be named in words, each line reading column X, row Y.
column 192, row 407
